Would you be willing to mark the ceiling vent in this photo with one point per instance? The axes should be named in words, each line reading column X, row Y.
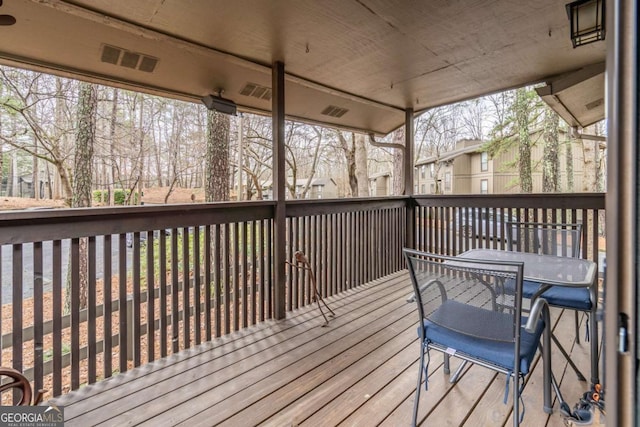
column 110, row 54
column 256, row 91
column 334, row 111
column 130, row 60
column 125, row 58
column 595, row 104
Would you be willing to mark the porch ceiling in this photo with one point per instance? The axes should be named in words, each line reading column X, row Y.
column 373, row 58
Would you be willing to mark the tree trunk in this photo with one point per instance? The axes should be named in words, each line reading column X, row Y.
column 522, row 123
column 398, row 163
column 35, row 175
column 551, row 156
column 362, row 175
column 85, row 136
column 217, row 157
column 112, row 144
column 569, row 165
column 14, row 174
column 140, row 179
column 589, row 168
column 350, row 156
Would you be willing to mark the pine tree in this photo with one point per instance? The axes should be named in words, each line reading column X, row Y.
column 217, row 157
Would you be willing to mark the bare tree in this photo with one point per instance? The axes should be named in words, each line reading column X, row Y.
column 83, row 162
column 217, row 157
column 551, row 156
column 46, row 129
column 362, row 173
column 349, row 150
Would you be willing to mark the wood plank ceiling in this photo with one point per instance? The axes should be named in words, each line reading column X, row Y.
column 356, row 64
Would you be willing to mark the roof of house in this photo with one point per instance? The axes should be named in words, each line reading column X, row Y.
column 473, row 146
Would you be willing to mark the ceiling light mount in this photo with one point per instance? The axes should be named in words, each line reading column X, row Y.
column 220, row 104
column 6, row 20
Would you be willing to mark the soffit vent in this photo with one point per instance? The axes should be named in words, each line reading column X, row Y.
column 334, row 111
column 110, row 54
column 124, row 58
column 595, row 104
column 256, row 91
column 130, row 60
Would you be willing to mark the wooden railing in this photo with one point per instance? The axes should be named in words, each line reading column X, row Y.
column 449, row 225
column 181, row 275
column 348, row 242
column 142, row 258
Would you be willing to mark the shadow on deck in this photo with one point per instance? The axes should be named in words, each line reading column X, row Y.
column 360, row 370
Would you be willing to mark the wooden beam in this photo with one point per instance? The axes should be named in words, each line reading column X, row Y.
column 408, row 175
column 622, row 212
column 279, row 220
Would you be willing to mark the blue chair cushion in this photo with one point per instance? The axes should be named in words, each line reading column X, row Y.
column 560, row 296
column 500, row 353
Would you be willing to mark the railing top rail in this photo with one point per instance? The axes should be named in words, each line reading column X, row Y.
column 534, row 200
column 297, row 208
column 50, row 224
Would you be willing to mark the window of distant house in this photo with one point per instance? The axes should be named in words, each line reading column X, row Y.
column 423, row 171
column 415, row 189
column 432, row 188
column 432, row 170
column 484, row 162
column 447, row 181
column 484, row 186
column 423, row 189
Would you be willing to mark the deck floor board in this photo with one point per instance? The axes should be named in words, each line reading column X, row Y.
column 359, row 371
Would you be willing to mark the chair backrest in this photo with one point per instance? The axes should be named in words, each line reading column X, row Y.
column 544, row 238
column 467, row 296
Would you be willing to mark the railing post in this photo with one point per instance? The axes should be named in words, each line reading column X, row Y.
column 279, row 220
column 130, row 327
column 408, row 178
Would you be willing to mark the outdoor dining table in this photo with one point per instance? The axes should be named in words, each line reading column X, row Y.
column 552, row 270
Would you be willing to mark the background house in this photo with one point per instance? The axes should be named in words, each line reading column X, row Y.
column 320, row 188
column 380, row 184
column 469, row 170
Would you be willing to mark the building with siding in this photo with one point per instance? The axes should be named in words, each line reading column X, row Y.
column 468, row 169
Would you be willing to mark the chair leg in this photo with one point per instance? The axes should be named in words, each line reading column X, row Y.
column 416, row 401
column 516, row 400
column 593, row 320
column 456, row 376
column 446, row 368
column 577, row 327
column 580, row 375
column 547, row 371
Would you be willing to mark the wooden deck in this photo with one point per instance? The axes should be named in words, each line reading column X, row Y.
column 361, row 370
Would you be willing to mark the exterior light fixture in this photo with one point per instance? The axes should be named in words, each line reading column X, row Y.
column 587, row 21
column 220, row 104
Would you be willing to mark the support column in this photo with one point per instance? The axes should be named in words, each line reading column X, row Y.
column 408, row 177
column 278, row 182
column 622, row 213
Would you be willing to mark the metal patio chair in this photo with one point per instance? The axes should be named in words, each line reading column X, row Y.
column 560, row 240
column 12, row 379
column 465, row 313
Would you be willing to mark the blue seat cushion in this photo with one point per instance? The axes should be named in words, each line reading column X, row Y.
column 560, row 296
column 451, row 334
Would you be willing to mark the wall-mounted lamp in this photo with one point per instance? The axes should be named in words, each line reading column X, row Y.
column 587, row 21
column 220, row 104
